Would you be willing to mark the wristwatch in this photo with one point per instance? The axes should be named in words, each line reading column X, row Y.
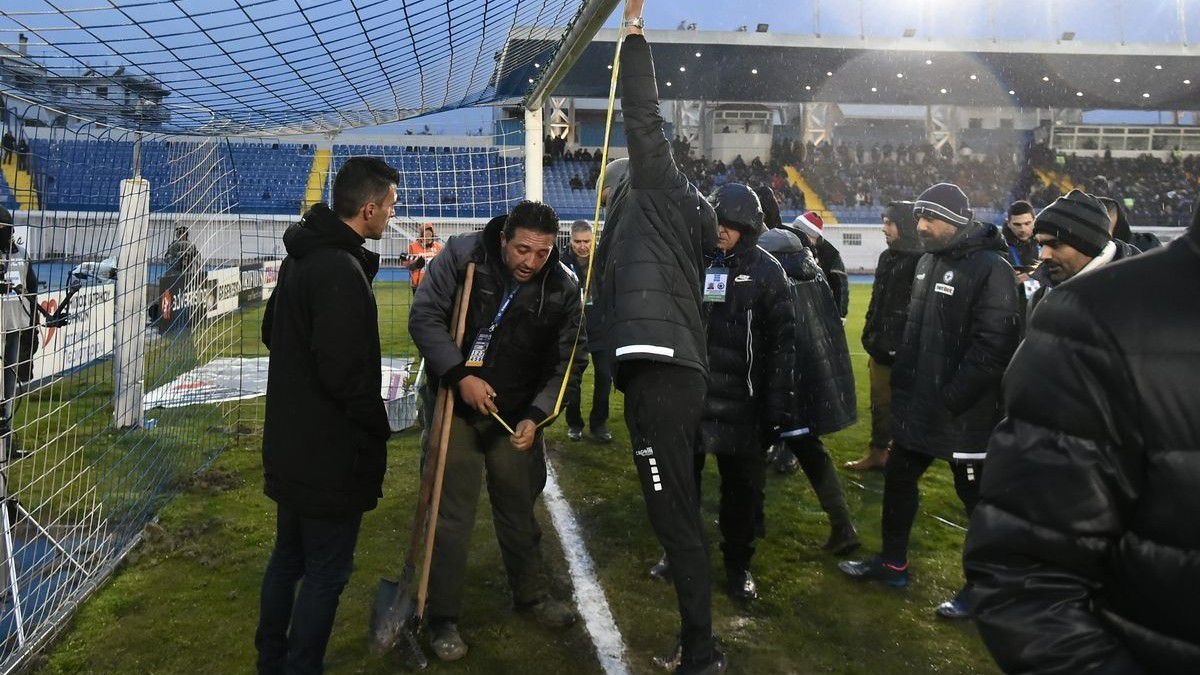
column 638, row 23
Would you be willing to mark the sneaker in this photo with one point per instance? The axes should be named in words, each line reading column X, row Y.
column 786, row 462
column 669, row 661
column 842, row 539
column 445, row 641
column 875, row 569
column 741, row 586
column 575, row 433
column 661, row 570
column 550, row 613
column 602, row 435
column 959, row 607
column 716, row 665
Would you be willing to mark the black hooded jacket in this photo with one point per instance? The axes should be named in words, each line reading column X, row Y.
column 1120, row 251
column 891, row 292
column 830, row 260
column 1084, row 549
column 651, row 255
column 1019, row 253
column 962, row 328
column 1142, row 241
column 751, row 352
column 825, row 396
column 532, row 345
column 326, row 429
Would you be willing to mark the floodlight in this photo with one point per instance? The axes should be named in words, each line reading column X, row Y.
column 910, row 32
column 1069, row 35
column 762, row 28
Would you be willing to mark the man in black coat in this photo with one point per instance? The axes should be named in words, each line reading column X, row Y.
column 751, row 348
column 522, row 323
column 576, row 259
column 810, row 225
column 962, row 329
column 823, row 382
column 651, row 266
column 326, row 430
column 884, row 326
column 1020, row 248
column 1074, row 238
column 1084, row 549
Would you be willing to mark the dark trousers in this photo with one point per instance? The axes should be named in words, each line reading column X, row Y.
column 317, row 554
column 743, row 476
column 881, row 403
column 818, row 467
column 601, row 386
column 901, row 496
column 663, row 403
column 478, row 447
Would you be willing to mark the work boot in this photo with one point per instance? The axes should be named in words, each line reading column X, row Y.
column 958, row 608
column 445, row 641
column 772, row 453
column 550, row 613
column 575, row 433
column 715, row 665
column 875, row 569
column 601, row 434
column 741, row 586
column 661, row 570
column 875, row 460
column 843, row 539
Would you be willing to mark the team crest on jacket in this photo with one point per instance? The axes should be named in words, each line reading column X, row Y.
column 949, row 276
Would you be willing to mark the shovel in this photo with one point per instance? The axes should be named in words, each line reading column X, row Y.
column 395, row 614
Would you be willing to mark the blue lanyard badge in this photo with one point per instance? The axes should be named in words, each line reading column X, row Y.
column 479, row 348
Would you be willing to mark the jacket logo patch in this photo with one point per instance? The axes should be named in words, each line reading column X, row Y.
column 944, row 289
column 949, row 276
column 742, row 277
column 644, row 452
column 921, row 275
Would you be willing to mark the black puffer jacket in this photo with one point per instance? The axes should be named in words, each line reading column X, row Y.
column 751, row 352
column 651, row 255
column 1142, row 241
column 963, row 326
column 326, row 429
column 830, row 260
column 1085, row 547
column 532, row 345
column 825, row 396
column 891, row 292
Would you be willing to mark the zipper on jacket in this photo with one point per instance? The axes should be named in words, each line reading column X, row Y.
column 750, row 350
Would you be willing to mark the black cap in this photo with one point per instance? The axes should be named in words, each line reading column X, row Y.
column 738, row 207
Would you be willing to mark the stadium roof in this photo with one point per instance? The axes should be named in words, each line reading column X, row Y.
column 774, row 68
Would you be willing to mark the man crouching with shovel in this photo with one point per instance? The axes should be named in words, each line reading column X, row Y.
column 521, row 331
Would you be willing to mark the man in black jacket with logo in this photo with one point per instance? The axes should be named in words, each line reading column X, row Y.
column 326, row 429
column 651, row 265
column 1020, row 247
column 884, row 326
column 522, row 322
column 751, row 347
column 1084, row 549
column 577, row 260
column 962, row 329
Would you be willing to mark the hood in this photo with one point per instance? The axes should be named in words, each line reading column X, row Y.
column 770, row 207
column 320, row 228
column 976, row 236
column 800, row 264
column 902, row 214
column 779, row 242
column 1121, row 230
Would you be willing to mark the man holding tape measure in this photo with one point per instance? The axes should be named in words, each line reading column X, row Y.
column 522, row 330
column 650, row 266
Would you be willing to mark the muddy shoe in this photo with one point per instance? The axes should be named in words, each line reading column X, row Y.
column 575, row 433
column 842, row 540
column 602, row 435
column 445, row 641
column 550, row 613
column 661, row 570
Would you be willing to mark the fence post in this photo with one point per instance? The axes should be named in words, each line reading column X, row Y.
column 533, row 154
column 129, row 337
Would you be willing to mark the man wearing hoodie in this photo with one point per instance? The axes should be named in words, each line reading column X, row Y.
column 1119, row 227
column 962, row 328
column 326, row 430
column 884, row 326
column 521, row 328
column 810, row 225
column 1074, row 237
column 650, row 268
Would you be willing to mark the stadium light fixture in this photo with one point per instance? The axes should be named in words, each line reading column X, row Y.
column 683, row 69
column 874, row 89
column 697, row 54
column 807, row 87
column 929, row 62
column 762, row 28
column 1011, row 92
column 829, row 73
column 1158, row 66
column 974, row 76
column 1146, row 94
column 754, row 71
column 910, row 32
column 1068, row 35
column 1117, row 80
column 1045, row 78
column 899, row 76
column 943, row 90
column 536, row 64
column 668, row 83
column 1079, row 93
column 1187, row 81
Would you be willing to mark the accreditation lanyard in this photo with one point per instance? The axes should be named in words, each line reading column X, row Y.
column 484, row 340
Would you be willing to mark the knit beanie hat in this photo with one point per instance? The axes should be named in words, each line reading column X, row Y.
column 946, row 202
column 809, row 223
column 1077, row 219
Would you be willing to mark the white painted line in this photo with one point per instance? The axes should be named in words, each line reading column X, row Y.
column 589, row 595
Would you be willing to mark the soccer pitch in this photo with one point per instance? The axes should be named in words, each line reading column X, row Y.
column 186, row 601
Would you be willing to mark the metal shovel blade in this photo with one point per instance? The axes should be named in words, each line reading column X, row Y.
column 389, row 613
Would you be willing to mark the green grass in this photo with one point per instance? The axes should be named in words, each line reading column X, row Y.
column 186, row 601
